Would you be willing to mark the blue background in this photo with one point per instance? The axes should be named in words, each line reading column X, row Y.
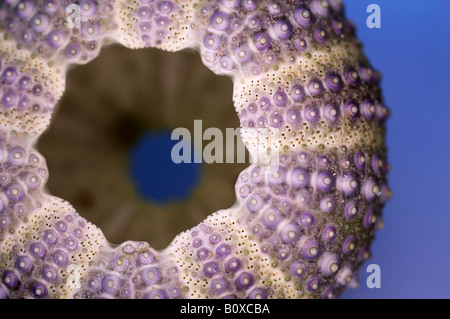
column 412, row 50
column 162, row 192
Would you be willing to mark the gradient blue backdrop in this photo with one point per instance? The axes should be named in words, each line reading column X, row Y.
column 412, row 50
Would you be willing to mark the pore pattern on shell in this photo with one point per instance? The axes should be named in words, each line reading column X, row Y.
column 299, row 230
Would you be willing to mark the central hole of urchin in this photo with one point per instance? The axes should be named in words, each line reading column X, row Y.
column 108, row 148
column 157, row 177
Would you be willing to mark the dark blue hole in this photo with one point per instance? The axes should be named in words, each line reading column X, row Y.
column 156, row 176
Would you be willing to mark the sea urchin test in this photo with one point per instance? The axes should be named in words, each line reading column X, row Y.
column 300, row 231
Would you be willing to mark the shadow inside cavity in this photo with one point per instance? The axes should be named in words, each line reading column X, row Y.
column 109, row 105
